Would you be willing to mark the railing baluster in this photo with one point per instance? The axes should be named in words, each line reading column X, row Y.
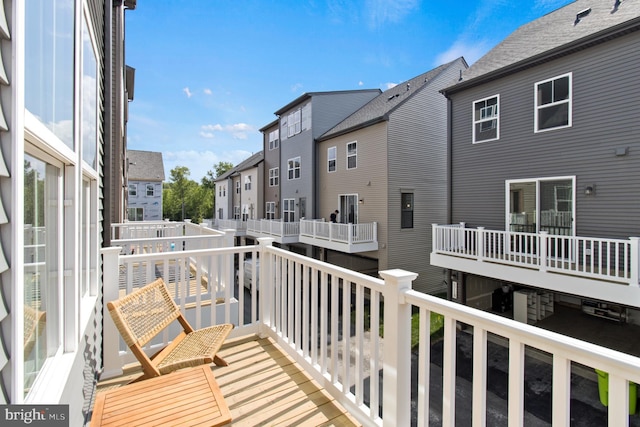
column 479, row 403
column 516, row 382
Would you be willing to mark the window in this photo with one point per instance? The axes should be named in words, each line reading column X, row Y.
column 150, row 190
column 43, row 277
column 274, row 177
column 49, row 65
column 288, row 210
column 541, row 205
column 133, row 190
column 293, row 167
column 89, row 100
column 294, row 123
column 224, row 191
column 352, row 155
column 270, row 210
column 274, row 139
column 245, row 212
column 486, row 119
column 247, row 182
column 553, row 103
column 135, row 214
column 406, row 220
column 331, row 159
column 237, row 187
column 236, row 212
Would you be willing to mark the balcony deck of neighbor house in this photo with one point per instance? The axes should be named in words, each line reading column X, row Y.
column 343, row 337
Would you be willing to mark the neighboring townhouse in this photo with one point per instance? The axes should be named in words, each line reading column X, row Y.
column 271, row 142
column 58, row 112
column 240, row 194
column 384, row 168
column 545, row 168
column 300, row 122
column 145, row 178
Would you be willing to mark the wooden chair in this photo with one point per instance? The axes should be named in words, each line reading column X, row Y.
column 144, row 313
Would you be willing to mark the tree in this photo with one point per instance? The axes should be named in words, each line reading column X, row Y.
column 179, row 183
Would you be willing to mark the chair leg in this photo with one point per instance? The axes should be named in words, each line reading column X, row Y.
column 219, row 361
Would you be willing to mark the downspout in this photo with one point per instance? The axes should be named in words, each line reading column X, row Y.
column 108, row 122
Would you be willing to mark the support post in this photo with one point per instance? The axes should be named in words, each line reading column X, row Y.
column 543, row 243
column 265, row 284
column 396, row 398
column 634, row 279
column 110, row 335
column 480, row 244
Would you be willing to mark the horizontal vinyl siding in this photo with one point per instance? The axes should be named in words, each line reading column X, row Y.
column 418, row 161
column 330, row 109
column 606, row 106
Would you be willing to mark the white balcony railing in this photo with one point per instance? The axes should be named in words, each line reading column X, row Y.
column 329, row 320
column 231, row 224
column 273, row 227
column 336, row 232
column 146, row 229
column 613, row 260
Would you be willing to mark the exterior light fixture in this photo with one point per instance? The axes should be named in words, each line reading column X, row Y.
column 590, row 190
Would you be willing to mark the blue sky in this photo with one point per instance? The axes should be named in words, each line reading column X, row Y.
column 211, row 73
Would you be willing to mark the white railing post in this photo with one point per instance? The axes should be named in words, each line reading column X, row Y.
column 396, row 400
column 112, row 367
column 265, row 284
column 542, row 248
column 480, row 244
column 350, row 233
column 634, row 274
column 434, row 238
column 375, row 231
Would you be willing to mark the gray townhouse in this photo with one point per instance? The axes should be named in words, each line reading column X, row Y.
column 384, row 168
column 144, row 185
column 63, row 103
column 271, row 180
column 544, row 168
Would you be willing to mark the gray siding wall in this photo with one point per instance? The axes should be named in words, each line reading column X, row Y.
column 152, row 205
column 418, row 164
column 606, row 105
column 331, row 108
column 299, row 145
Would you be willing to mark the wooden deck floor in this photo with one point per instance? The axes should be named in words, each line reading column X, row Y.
column 264, row 387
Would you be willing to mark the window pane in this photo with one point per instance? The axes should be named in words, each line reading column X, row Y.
column 89, row 100
column 561, row 89
column 556, row 205
column 545, row 93
column 406, row 220
column 553, row 116
column 41, row 204
column 48, row 87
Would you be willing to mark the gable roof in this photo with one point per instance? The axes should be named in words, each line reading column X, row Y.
column 576, row 26
column 248, row 163
column 145, row 166
column 309, row 95
column 379, row 108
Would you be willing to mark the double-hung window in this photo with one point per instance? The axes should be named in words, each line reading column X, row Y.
column 274, row 139
column 406, row 220
column 293, row 168
column 150, row 190
column 288, row 210
column 247, row 182
column 274, row 177
column 352, row 155
column 486, row 119
column 237, row 187
column 553, row 103
column 294, row 123
column 270, row 211
column 331, row 159
column 133, row 190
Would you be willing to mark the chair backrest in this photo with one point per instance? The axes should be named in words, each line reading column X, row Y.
column 144, row 313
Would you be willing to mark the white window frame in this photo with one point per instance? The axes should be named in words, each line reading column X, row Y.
column 236, row 212
column 137, row 208
column 353, row 155
column 238, row 187
column 487, row 119
column 294, row 168
column 288, row 210
column 274, row 177
column 133, row 187
column 294, row 122
column 247, row 182
column 274, row 139
column 270, row 210
column 153, row 190
column 568, row 101
column 332, row 156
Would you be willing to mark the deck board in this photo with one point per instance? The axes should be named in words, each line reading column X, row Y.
column 264, row 386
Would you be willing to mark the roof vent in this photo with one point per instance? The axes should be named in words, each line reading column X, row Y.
column 581, row 15
column 408, row 86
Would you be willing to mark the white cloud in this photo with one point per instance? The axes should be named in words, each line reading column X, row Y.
column 187, row 92
column 207, row 91
column 296, row 87
column 383, row 11
column 389, row 85
column 237, row 130
column 471, row 52
column 360, row 83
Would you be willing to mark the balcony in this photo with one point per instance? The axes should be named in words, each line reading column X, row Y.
column 348, row 238
column 351, row 336
column 602, row 269
column 239, row 226
column 281, row 231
